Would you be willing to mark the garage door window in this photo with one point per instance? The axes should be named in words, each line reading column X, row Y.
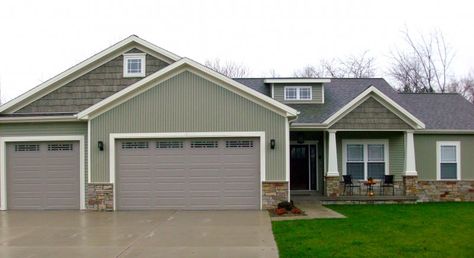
column 204, row 144
column 239, row 144
column 27, row 147
column 169, row 145
column 134, row 145
column 59, row 147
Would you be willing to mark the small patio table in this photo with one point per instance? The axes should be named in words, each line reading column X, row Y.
column 370, row 187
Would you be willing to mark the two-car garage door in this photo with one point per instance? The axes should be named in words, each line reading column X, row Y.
column 43, row 175
column 188, row 174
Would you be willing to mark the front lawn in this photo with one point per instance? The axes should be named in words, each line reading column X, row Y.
column 412, row 230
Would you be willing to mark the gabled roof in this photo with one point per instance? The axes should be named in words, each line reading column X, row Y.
column 174, row 69
column 83, row 67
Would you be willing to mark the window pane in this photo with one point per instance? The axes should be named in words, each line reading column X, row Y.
column 376, row 170
column 290, row 93
column 305, row 93
column 355, row 152
column 448, row 153
column 449, row 170
column 376, row 152
column 356, row 170
column 134, row 66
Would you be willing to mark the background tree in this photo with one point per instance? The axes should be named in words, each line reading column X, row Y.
column 229, row 68
column 464, row 86
column 422, row 64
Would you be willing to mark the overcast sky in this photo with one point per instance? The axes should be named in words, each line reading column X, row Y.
column 40, row 39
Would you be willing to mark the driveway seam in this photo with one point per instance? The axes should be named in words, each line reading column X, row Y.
column 145, row 233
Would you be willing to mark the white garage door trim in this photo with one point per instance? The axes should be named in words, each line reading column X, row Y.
column 114, row 136
column 3, row 167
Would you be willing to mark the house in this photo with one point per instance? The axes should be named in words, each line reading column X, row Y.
column 138, row 127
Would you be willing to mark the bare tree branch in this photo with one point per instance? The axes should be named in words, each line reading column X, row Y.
column 229, row 69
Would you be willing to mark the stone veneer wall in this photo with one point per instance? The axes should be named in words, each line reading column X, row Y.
column 100, row 197
column 273, row 193
column 445, row 190
column 333, row 186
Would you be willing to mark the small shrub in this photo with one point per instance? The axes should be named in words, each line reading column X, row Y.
column 286, row 205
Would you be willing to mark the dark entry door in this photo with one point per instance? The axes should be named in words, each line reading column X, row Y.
column 299, row 167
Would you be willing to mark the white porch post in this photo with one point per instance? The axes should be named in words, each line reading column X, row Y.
column 410, row 165
column 332, row 155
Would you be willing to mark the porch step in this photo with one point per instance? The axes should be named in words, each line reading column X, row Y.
column 368, row 199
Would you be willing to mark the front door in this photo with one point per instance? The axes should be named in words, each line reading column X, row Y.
column 299, row 167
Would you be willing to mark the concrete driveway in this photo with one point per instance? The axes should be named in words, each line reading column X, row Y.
column 136, row 234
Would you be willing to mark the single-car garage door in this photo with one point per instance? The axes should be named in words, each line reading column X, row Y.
column 43, row 175
column 191, row 174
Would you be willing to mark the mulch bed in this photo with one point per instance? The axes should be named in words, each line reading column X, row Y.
column 291, row 213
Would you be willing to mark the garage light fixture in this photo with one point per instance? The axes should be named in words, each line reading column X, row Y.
column 100, row 145
column 272, row 144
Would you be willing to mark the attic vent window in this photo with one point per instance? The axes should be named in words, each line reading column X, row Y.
column 134, row 65
column 298, row 93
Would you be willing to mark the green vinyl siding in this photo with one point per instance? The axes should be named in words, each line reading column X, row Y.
column 189, row 103
column 396, row 142
column 317, row 93
column 425, row 153
column 48, row 129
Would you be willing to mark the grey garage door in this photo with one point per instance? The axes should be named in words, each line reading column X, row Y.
column 43, row 175
column 191, row 174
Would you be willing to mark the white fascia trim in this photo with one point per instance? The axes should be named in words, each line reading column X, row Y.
column 114, row 136
column 298, row 80
column 3, row 166
column 308, row 125
column 38, row 119
column 85, row 63
column 134, row 89
column 438, row 159
column 364, row 95
column 365, row 142
column 444, row 131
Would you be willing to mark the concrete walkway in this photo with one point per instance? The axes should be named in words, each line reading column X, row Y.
column 136, row 234
column 313, row 209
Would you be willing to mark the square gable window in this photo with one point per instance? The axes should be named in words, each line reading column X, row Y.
column 134, row 65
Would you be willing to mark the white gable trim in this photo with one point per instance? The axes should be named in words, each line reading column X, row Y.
column 389, row 104
column 172, row 70
column 10, row 106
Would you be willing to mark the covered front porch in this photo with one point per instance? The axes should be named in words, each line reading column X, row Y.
column 320, row 160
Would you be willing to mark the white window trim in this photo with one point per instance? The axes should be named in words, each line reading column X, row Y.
column 129, row 56
column 298, row 89
column 438, row 159
column 365, row 142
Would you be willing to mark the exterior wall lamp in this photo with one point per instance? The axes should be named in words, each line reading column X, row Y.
column 272, row 144
column 100, row 145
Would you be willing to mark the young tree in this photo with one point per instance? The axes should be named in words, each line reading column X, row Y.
column 229, row 69
column 464, row 86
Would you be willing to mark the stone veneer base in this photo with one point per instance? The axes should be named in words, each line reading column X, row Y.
column 273, row 193
column 450, row 191
column 100, row 197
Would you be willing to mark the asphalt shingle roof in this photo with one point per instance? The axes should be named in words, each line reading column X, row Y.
column 437, row 111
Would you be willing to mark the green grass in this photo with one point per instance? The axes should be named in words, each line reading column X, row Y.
column 413, row 230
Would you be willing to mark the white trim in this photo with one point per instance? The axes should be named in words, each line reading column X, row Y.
column 297, row 80
column 38, row 119
column 287, row 155
column 410, row 159
column 273, row 91
column 444, row 131
column 89, row 174
column 438, row 159
column 114, row 136
column 139, row 56
column 3, row 167
column 298, row 93
column 366, row 142
column 332, row 169
column 81, row 66
column 322, row 94
column 136, row 89
column 364, row 96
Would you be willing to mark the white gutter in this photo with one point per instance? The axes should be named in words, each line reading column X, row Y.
column 38, row 119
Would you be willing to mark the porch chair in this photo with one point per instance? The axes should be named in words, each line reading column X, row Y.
column 387, row 183
column 349, row 184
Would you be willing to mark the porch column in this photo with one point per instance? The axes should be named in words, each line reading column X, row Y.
column 332, row 155
column 410, row 165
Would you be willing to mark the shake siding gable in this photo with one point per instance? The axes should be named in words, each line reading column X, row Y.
column 189, row 103
column 371, row 115
column 91, row 88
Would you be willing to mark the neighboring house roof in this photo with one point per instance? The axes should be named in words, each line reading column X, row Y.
column 84, row 67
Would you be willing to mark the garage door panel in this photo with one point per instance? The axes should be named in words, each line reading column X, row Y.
column 195, row 174
column 43, row 175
